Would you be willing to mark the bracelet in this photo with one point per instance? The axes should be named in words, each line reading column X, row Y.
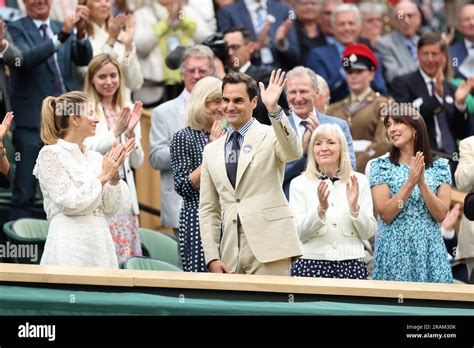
column 321, row 209
column 3, row 151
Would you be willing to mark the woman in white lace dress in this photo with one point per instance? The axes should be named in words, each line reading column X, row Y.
column 80, row 188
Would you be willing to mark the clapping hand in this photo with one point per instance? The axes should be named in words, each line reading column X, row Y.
column 272, row 93
column 313, row 123
column 5, row 126
column 135, row 116
column 323, row 195
column 352, row 193
column 114, row 159
column 417, row 167
column 121, row 125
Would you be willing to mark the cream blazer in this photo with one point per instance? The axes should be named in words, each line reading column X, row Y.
column 464, row 176
column 258, row 198
column 102, row 142
column 339, row 236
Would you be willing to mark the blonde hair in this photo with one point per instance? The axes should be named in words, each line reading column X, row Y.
column 97, row 63
column 345, row 167
column 56, row 113
column 206, row 89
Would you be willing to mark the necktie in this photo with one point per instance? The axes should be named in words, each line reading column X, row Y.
column 260, row 19
column 305, row 124
column 58, row 88
column 444, row 140
column 232, row 159
column 412, row 51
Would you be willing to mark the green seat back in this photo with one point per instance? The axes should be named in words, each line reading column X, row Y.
column 160, row 246
column 31, row 229
column 149, row 264
column 27, row 234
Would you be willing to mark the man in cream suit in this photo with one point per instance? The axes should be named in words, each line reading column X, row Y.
column 167, row 119
column 246, row 224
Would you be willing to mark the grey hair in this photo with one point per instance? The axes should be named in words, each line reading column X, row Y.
column 198, row 51
column 346, row 8
column 368, row 7
column 301, row 71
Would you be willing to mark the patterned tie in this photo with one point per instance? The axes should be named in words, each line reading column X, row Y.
column 58, row 88
column 232, row 159
column 305, row 124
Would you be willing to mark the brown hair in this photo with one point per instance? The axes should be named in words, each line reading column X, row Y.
column 97, row 63
column 56, row 113
column 235, row 78
column 89, row 27
column 432, row 39
column 411, row 117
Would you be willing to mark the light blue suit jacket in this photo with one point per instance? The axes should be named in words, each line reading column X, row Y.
column 295, row 168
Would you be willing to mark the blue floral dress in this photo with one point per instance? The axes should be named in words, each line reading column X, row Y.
column 411, row 247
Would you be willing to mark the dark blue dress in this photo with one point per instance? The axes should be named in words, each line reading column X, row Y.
column 186, row 155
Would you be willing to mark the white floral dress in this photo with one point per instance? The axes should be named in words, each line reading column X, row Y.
column 77, row 206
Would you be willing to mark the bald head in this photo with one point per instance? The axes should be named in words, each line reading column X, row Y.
column 466, row 21
column 407, row 18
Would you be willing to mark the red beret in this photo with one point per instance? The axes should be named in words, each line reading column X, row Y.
column 356, row 55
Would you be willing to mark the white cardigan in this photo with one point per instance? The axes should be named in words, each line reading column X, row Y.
column 339, row 236
column 102, row 142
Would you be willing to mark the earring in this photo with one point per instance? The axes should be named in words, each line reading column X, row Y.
column 414, row 135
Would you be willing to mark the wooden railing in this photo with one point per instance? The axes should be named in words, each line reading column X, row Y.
column 234, row 282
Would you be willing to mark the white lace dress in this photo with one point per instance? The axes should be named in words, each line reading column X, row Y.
column 77, row 205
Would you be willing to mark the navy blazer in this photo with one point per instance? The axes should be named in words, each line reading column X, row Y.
column 33, row 77
column 296, row 167
column 326, row 61
column 458, row 53
column 237, row 14
column 410, row 87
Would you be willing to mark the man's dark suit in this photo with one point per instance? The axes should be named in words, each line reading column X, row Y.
column 10, row 57
column 458, row 53
column 326, row 61
column 410, row 87
column 237, row 14
column 32, row 81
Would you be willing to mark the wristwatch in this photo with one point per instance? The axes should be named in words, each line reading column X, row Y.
column 276, row 113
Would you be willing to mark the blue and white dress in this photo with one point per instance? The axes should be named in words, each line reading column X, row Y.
column 411, row 247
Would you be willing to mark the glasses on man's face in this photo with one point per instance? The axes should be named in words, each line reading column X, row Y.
column 201, row 72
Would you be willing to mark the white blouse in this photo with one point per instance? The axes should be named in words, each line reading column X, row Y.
column 339, row 236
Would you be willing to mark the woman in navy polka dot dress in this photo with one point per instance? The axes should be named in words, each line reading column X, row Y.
column 203, row 117
column 333, row 210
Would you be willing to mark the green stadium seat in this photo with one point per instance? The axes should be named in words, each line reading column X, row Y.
column 24, row 233
column 160, row 246
column 149, row 264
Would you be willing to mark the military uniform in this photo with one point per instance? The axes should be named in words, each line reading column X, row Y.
column 365, row 119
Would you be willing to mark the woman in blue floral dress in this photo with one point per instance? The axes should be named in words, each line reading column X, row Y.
column 412, row 193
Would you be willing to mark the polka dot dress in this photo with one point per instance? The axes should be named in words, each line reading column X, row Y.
column 345, row 269
column 186, row 155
